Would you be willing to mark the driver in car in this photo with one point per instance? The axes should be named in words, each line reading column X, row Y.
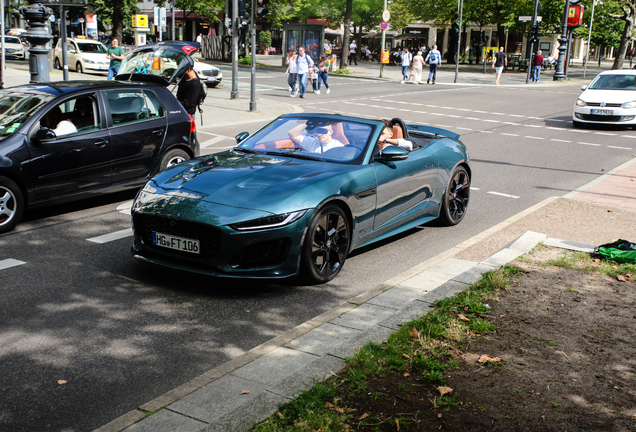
column 316, row 140
column 387, row 140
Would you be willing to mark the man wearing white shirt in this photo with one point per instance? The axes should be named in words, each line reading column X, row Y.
column 352, row 52
column 386, row 138
column 406, row 64
column 304, row 62
column 318, row 141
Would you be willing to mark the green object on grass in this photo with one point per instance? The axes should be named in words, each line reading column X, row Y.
column 620, row 250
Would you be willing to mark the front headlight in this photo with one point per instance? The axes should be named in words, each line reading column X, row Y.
column 631, row 104
column 88, row 61
column 269, row 222
column 580, row 102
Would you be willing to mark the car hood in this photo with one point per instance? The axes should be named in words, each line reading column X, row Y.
column 608, row 96
column 261, row 182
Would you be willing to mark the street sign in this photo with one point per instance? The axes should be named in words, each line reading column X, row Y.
column 528, row 18
column 386, row 15
column 140, row 20
column 575, row 16
column 384, row 25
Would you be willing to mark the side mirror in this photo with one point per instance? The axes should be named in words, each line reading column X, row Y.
column 393, row 153
column 583, row 87
column 43, row 135
column 72, row 51
column 240, row 137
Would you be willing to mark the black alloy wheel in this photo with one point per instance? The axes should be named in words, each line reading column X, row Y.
column 326, row 245
column 456, row 197
column 11, row 204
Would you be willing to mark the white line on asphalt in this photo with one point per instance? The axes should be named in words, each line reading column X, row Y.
column 578, row 130
column 556, row 128
column 503, row 194
column 516, row 115
column 112, row 236
column 125, row 207
column 463, row 128
column 531, row 137
column 211, row 141
column 472, row 118
column 481, row 112
column 443, row 126
column 509, row 134
column 559, row 140
column 10, row 262
column 534, row 126
column 628, row 136
column 604, row 133
column 213, row 134
column 474, row 188
column 491, row 121
column 589, row 144
column 496, row 113
column 486, row 131
column 622, row 148
column 511, row 123
column 556, row 120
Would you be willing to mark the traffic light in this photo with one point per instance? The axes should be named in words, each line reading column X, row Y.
column 261, row 9
column 243, row 6
column 534, row 33
column 455, row 28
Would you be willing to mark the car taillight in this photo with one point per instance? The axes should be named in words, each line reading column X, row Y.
column 193, row 124
column 188, row 49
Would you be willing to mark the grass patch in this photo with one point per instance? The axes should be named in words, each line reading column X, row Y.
column 342, row 72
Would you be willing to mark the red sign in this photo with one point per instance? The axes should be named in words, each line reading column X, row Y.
column 575, row 16
column 384, row 25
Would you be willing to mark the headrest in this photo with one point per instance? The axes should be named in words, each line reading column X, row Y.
column 338, row 133
column 397, row 132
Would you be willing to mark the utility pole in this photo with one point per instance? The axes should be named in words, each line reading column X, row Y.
column 460, row 11
column 534, row 37
column 64, row 43
column 382, row 47
column 253, row 42
column 559, row 74
column 174, row 4
column 234, row 94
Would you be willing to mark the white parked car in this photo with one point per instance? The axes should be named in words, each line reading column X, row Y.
column 210, row 75
column 83, row 55
column 13, row 47
column 609, row 99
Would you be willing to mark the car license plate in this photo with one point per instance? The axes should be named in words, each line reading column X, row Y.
column 602, row 112
column 177, row 243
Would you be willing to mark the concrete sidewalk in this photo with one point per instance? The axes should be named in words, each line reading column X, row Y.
column 246, row 390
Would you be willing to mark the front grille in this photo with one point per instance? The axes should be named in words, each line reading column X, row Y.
column 607, row 105
column 264, row 254
column 208, row 235
column 603, row 118
column 209, row 72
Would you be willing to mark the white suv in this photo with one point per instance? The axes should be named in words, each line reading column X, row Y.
column 83, row 55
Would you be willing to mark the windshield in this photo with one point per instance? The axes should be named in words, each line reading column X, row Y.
column 320, row 138
column 613, row 82
column 92, row 48
column 160, row 62
column 16, row 108
column 13, row 40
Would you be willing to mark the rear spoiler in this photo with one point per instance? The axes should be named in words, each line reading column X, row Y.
column 433, row 130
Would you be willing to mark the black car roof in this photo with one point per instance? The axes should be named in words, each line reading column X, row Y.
column 58, row 88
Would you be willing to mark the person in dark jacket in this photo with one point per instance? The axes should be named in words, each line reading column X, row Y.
column 188, row 91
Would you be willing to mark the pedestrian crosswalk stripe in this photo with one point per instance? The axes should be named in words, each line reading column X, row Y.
column 112, row 236
column 10, row 262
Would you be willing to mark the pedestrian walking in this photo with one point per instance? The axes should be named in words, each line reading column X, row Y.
column 499, row 60
column 313, row 71
column 406, row 64
column 418, row 63
column 537, row 64
column 352, row 52
column 199, row 39
column 303, row 62
column 292, row 72
column 323, row 73
column 434, row 59
column 115, row 54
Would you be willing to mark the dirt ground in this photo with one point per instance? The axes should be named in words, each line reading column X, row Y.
column 568, row 361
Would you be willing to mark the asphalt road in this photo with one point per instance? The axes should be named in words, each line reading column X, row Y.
column 118, row 332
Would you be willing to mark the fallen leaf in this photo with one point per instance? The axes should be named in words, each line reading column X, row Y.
column 414, row 333
column 329, row 405
column 614, row 267
column 463, row 318
column 444, row 390
column 280, row 415
column 543, row 417
column 425, row 290
column 340, row 410
column 621, row 278
column 610, row 211
column 301, row 424
column 597, row 260
column 406, row 356
column 602, row 169
column 631, row 179
column 466, row 308
column 406, row 374
column 486, row 358
column 397, row 423
column 363, row 416
column 439, row 415
column 245, row 392
column 531, row 310
column 61, row 382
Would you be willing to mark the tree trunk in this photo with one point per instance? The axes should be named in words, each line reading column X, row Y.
column 501, row 38
column 118, row 21
column 619, row 58
column 344, row 58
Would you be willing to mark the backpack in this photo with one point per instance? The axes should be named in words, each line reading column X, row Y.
column 620, row 250
column 203, row 93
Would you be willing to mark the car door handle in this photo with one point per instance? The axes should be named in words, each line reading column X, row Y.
column 158, row 132
column 101, row 143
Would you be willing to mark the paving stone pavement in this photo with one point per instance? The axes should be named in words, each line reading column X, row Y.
column 246, row 390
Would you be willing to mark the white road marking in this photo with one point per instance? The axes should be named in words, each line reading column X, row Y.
column 556, row 128
column 486, row 132
column 578, row 130
column 503, row 194
column 509, row 134
column 531, row 137
column 622, row 148
column 628, row 136
column 125, row 207
column 463, row 128
column 604, row 133
column 474, row 188
column 559, row 140
column 209, row 142
column 128, row 232
column 589, row 144
column 10, row 262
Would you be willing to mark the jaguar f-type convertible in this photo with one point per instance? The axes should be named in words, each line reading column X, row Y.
column 298, row 195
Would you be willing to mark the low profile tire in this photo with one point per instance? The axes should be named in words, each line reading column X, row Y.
column 11, row 205
column 79, row 68
column 456, row 197
column 326, row 245
column 173, row 157
column 58, row 66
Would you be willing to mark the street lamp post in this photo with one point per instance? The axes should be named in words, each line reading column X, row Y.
column 382, row 47
column 589, row 38
column 38, row 35
column 559, row 74
column 460, row 10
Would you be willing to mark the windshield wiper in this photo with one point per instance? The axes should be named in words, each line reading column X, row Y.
column 246, row 150
column 295, row 155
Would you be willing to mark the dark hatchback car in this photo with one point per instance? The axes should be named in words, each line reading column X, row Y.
column 63, row 141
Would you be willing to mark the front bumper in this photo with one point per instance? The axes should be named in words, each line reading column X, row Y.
column 618, row 115
column 96, row 67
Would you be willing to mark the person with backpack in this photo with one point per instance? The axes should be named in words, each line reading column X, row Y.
column 303, row 62
column 189, row 91
column 434, row 59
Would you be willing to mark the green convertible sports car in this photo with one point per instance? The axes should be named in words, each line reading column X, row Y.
column 298, row 195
